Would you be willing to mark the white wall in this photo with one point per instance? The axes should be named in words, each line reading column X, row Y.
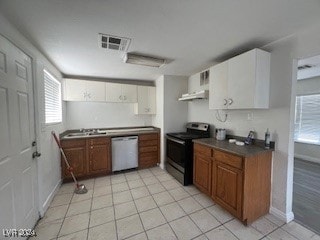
column 279, row 118
column 171, row 113
column 310, row 152
column 104, row 115
column 48, row 164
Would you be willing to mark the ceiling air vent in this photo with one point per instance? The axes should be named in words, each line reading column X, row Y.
column 143, row 60
column 113, row 42
column 306, row 66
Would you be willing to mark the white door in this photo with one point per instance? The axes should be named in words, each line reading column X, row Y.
column 96, row 91
column 113, row 92
column 18, row 176
column 129, row 93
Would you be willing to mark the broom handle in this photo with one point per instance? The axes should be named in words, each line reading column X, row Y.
column 65, row 158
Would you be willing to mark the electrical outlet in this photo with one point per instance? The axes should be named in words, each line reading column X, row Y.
column 250, row 116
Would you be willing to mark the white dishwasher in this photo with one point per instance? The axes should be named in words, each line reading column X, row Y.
column 124, row 153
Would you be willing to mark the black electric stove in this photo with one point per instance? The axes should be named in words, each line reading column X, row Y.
column 179, row 154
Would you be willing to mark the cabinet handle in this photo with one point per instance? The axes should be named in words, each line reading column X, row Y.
column 230, row 101
column 225, row 102
column 120, row 97
column 124, row 97
column 89, row 95
column 91, row 147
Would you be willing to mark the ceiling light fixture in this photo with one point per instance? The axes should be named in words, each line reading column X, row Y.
column 143, row 60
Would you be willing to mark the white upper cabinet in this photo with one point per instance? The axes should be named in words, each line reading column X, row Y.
column 82, row 90
column 116, row 92
column 242, row 82
column 146, row 100
column 218, row 86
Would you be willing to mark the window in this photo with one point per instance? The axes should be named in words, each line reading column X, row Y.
column 52, row 95
column 307, row 119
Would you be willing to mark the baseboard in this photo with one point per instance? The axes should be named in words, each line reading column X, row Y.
column 307, row 158
column 46, row 204
column 286, row 217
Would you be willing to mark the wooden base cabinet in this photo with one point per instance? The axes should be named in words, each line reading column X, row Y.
column 149, row 150
column 87, row 157
column 202, row 168
column 241, row 185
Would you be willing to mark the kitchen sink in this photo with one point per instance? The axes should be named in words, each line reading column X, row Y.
column 84, row 134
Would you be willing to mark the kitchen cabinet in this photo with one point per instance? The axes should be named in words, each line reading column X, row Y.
column 99, row 155
column 88, row 157
column 149, row 150
column 146, row 100
column 116, row 92
column 75, row 152
column 240, row 184
column 202, row 168
column 242, row 82
column 82, row 90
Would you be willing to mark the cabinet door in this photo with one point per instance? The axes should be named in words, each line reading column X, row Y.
column 202, row 172
column 241, row 80
column 152, row 100
column 113, row 92
column 99, row 159
column 129, row 93
column 77, row 159
column 74, row 90
column 96, row 91
column 218, row 86
column 228, row 187
column 142, row 105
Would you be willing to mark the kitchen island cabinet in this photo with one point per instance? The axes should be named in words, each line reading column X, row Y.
column 237, row 179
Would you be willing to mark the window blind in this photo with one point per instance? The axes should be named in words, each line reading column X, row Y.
column 52, row 93
column 307, row 119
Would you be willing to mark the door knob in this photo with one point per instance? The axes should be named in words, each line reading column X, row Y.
column 36, row 154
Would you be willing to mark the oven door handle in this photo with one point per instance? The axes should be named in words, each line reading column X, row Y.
column 175, row 140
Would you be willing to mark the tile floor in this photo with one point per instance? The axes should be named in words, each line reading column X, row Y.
column 150, row 204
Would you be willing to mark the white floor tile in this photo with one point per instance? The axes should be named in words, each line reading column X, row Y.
column 189, row 205
column 204, row 220
column 81, row 235
column 280, row 234
column 163, row 232
column 298, row 230
column 101, row 202
column 120, row 187
column 204, row 200
column 62, row 199
column 75, row 224
column 139, row 192
column 100, row 191
column 145, row 203
column 100, row 216
column 125, row 210
column 55, row 213
column 220, row 233
column 102, row 232
column 172, row 211
column 152, row 218
column 48, row 230
column 82, row 197
column 127, row 227
column 136, row 183
column 184, row 228
column 220, row 214
column 243, row 232
column 156, row 188
column 122, row 197
column 79, row 207
column 264, row 226
column 162, row 198
column 179, row 193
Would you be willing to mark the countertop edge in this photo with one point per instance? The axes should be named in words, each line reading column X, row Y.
column 262, row 150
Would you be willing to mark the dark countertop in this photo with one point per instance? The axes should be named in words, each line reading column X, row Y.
column 113, row 134
column 243, row 151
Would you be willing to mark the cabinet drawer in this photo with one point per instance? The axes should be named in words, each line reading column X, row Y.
column 203, row 150
column 153, row 136
column 99, row 141
column 229, row 159
column 148, row 149
column 147, row 155
column 73, row 143
column 148, row 143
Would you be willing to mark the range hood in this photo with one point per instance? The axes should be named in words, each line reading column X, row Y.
column 203, row 94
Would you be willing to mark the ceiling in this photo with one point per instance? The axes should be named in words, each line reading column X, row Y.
column 193, row 34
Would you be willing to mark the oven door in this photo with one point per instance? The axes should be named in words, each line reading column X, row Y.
column 176, row 152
